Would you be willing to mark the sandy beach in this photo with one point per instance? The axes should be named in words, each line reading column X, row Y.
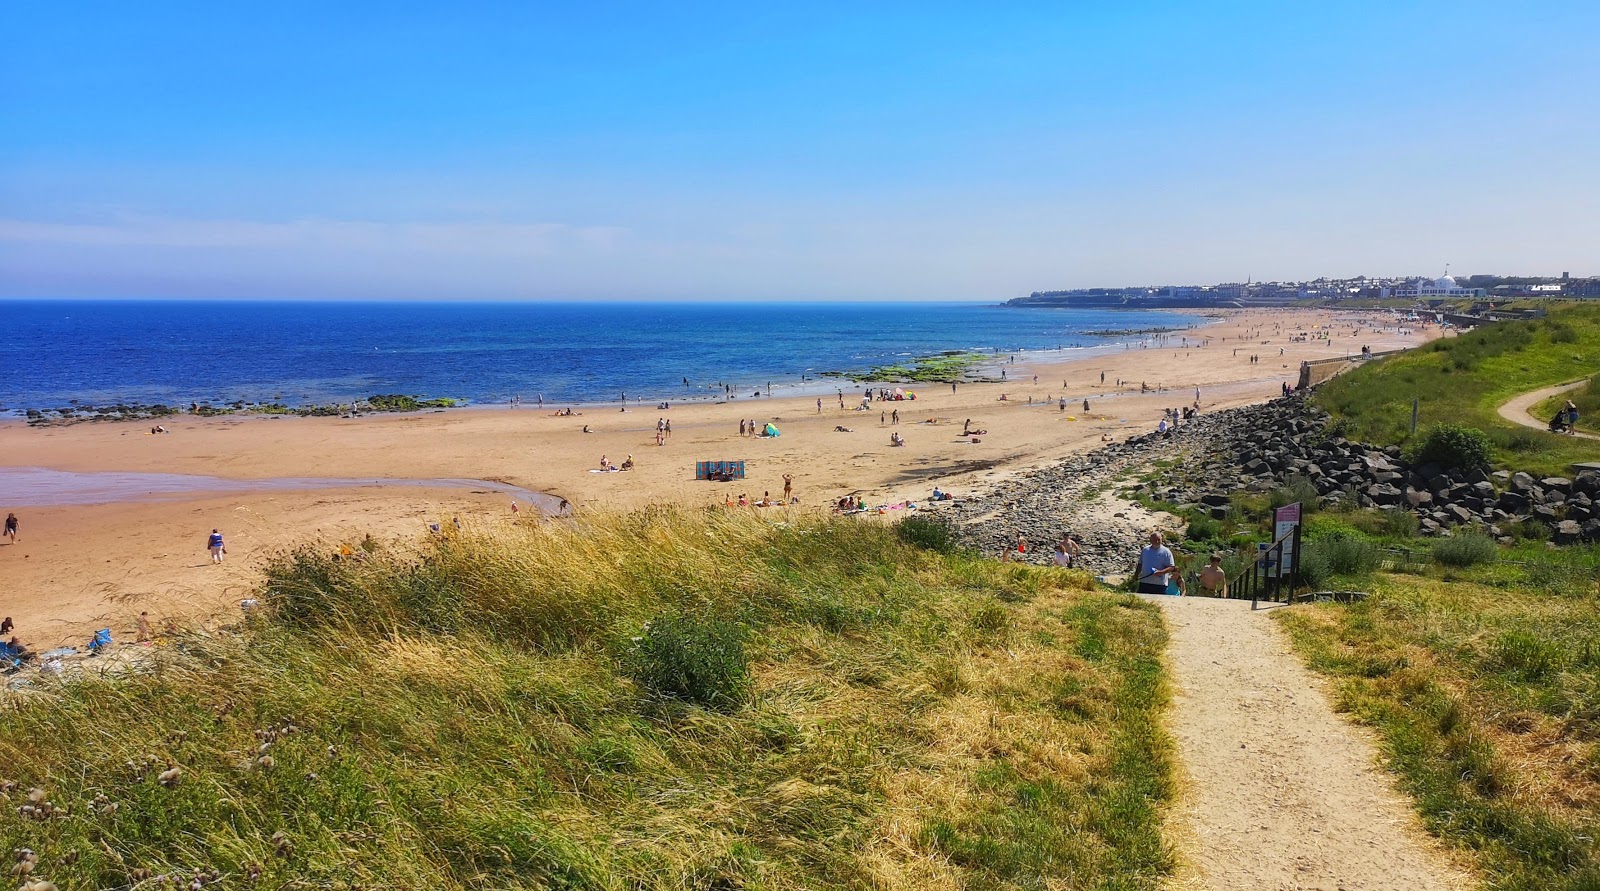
column 75, row 568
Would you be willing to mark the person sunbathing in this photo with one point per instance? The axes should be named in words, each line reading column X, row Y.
column 840, row 428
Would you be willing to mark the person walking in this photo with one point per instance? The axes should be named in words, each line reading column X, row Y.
column 1213, row 579
column 11, row 527
column 1155, row 566
column 214, row 544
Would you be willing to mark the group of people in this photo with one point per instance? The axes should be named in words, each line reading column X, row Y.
column 1159, row 572
column 607, row 465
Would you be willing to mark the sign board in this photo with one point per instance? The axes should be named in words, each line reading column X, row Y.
column 1284, row 521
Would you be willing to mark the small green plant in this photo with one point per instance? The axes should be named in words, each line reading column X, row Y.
column 1295, row 488
column 692, row 659
column 1202, row 528
column 1465, row 549
column 929, row 533
column 1399, row 523
column 1525, row 656
column 1453, row 445
column 1315, row 567
column 1337, row 554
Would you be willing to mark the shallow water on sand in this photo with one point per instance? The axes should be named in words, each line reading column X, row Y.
column 42, row 487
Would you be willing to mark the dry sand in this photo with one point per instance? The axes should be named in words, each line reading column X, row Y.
column 81, row 567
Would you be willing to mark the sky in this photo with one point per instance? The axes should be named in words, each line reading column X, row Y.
column 822, row 151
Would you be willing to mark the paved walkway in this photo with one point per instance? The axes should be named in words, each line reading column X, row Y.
column 1516, row 410
column 1280, row 792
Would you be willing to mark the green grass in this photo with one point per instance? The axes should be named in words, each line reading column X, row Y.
column 1465, row 379
column 520, row 708
column 1487, row 702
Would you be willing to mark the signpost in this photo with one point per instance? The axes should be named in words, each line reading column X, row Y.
column 1286, row 528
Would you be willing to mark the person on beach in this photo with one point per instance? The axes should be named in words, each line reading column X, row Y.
column 214, row 544
column 7, row 625
column 11, row 527
column 1213, row 580
column 144, row 628
column 894, row 416
column 1061, row 557
column 1155, row 566
column 788, row 486
column 896, row 440
column 1070, row 548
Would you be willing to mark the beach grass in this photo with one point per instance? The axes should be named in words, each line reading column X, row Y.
column 662, row 699
column 1464, row 379
column 1486, row 696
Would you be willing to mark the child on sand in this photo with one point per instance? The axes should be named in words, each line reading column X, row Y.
column 11, row 527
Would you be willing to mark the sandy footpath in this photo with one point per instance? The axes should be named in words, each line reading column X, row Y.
column 80, row 566
column 1282, row 793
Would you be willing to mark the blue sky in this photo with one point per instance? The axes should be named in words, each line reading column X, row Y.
column 830, row 151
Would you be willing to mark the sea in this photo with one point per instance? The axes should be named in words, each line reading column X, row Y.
column 56, row 353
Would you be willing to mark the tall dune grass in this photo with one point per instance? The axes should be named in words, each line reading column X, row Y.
column 472, row 714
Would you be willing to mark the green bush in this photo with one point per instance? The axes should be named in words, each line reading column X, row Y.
column 1295, row 488
column 929, row 533
column 1315, row 568
column 1202, row 528
column 691, row 659
column 1453, row 445
column 1465, row 549
column 1344, row 555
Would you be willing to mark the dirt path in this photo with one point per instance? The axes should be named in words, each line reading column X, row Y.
column 1516, row 410
column 1282, row 793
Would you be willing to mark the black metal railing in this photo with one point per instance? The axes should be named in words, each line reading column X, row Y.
column 1273, row 575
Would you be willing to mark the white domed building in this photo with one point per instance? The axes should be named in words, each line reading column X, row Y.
column 1442, row 287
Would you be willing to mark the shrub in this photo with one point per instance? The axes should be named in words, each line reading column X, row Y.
column 1315, row 569
column 1465, row 549
column 692, row 659
column 1453, row 445
column 1400, row 523
column 929, row 533
column 1295, row 488
column 1343, row 555
column 1202, row 528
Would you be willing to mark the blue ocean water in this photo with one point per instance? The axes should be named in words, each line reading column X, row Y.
column 177, row 352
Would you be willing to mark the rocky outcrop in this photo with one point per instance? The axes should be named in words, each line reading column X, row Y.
column 1256, row 449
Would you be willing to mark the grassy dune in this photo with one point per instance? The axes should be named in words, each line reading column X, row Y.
column 1487, row 699
column 1463, row 380
column 659, row 700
